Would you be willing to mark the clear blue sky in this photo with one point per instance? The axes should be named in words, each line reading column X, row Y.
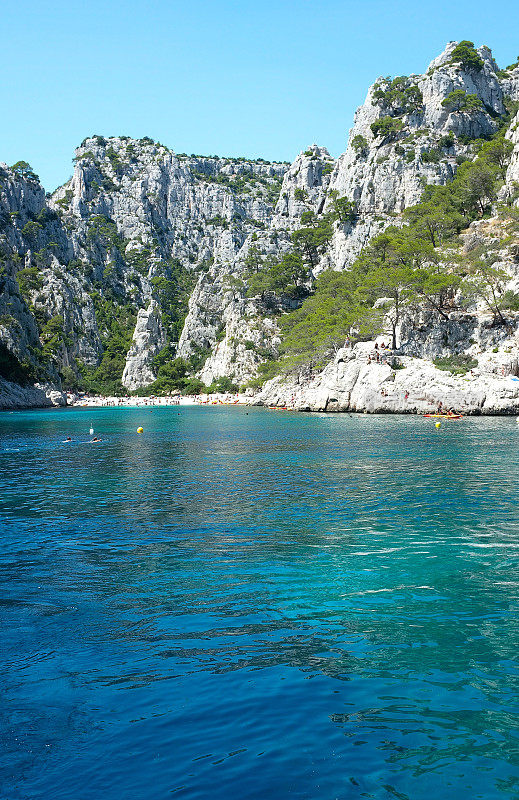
column 264, row 78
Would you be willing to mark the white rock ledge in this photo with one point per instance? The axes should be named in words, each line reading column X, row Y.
column 13, row 396
column 349, row 383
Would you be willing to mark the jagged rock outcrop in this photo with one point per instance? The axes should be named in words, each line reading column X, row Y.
column 509, row 81
column 384, row 174
column 304, row 187
column 149, row 338
column 200, row 208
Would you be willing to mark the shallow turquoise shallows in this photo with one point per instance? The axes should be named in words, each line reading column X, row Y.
column 242, row 604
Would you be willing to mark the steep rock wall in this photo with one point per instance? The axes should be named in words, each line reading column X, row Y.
column 388, row 173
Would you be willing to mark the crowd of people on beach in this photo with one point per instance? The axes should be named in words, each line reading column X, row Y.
column 96, row 401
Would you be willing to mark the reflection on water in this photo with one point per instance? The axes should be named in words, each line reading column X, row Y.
column 258, row 604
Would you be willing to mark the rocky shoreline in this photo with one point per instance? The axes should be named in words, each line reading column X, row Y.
column 342, row 387
column 13, row 396
column 407, row 385
column 365, row 378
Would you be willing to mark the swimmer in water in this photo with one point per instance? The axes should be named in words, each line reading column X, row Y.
column 95, row 439
column 68, row 439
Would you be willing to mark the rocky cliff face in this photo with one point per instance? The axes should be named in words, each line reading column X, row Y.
column 218, row 305
column 385, row 172
column 125, row 239
column 511, row 188
column 381, row 172
column 145, row 251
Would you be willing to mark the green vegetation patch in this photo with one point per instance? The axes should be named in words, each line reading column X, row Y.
column 360, row 145
column 457, row 365
column 386, row 128
column 29, row 279
column 173, row 289
column 466, row 54
column 400, row 95
column 104, row 230
column 24, row 170
column 458, row 100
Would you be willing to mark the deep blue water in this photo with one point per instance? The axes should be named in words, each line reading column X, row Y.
column 247, row 605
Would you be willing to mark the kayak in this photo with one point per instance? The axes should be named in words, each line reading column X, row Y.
column 444, row 416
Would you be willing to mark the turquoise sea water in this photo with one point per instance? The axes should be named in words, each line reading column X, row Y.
column 247, row 604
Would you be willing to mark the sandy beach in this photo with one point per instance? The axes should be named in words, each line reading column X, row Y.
column 97, row 401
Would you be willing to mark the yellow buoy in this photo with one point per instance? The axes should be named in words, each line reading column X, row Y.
column 140, row 430
column 438, row 424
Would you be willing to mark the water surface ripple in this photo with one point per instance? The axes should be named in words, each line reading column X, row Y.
column 250, row 604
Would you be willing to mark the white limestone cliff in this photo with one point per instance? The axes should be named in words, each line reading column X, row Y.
column 148, row 339
column 388, row 175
